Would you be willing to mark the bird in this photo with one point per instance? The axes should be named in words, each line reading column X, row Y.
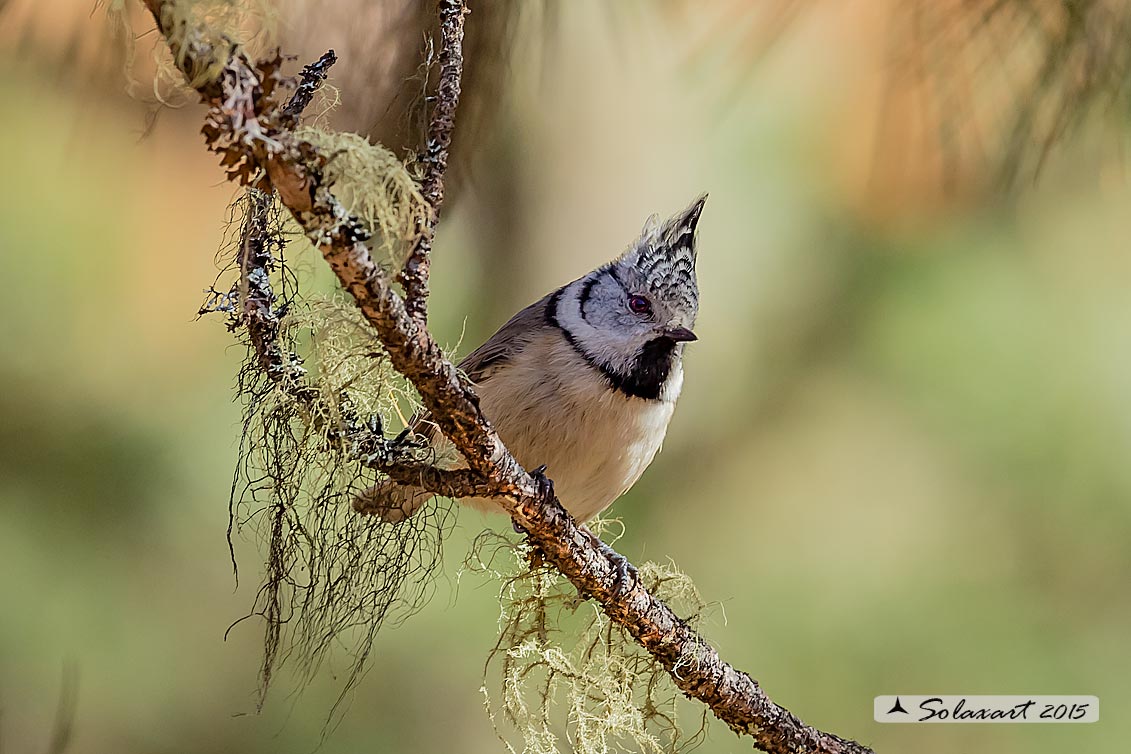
column 583, row 382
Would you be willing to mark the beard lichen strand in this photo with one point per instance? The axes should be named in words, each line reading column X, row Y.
column 282, row 455
column 294, row 467
column 577, row 662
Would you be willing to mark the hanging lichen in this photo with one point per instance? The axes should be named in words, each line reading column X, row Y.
column 332, row 579
column 568, row 679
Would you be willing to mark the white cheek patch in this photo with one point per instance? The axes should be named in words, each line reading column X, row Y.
column 610, row 346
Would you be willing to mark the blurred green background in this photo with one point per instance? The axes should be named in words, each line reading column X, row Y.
column 900, row 463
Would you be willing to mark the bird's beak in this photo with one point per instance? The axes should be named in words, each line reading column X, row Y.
column 680, row 334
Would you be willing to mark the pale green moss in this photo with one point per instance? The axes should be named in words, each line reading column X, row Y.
column 570, row 679
column 374, row 185
column 249, row 23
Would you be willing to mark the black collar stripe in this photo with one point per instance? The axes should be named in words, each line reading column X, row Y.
column 650, row 371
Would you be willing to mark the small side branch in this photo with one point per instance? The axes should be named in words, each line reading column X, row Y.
column 434, row 160
column 246, row 128
column 260, row 317
column 310, row 80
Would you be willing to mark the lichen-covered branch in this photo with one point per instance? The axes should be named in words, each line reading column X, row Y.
column 248, row 127
column 433, row 161
column 261, row 319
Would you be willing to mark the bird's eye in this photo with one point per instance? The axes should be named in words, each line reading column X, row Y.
column 639, row 305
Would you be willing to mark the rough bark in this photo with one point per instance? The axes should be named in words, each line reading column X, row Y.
column 249, row 128
column 433, row 162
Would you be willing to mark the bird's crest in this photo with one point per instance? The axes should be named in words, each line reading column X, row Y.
column 664, row 256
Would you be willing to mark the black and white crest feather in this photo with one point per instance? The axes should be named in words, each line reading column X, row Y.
column 664, row 256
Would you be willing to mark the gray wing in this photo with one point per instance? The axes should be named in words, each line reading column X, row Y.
column 481, row 363
column 510, row 339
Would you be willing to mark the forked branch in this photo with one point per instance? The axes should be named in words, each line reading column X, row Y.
column 251, row 131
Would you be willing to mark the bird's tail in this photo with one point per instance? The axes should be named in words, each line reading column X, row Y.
column 391, row 502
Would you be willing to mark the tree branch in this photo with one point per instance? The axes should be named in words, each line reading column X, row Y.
column 250, row 130
column 434, row 160
column 261, row 319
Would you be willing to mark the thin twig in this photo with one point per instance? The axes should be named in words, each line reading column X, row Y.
column 433, row 162
column 310, row 80
column 243, row 128
column 64, row 727
column 261, row 319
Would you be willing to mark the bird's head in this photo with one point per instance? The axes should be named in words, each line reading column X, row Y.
column 633, row 315
column 659, row 274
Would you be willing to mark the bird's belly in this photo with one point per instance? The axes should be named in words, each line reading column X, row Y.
column 594, row 441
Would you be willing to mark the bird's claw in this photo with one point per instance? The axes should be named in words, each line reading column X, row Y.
column 544, row 493
column 627, row 576
column 545, row 484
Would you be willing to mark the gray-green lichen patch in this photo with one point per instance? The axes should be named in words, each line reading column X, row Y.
column 156, row 74
column 332, row 578
column 374, row 185
column 564, row 678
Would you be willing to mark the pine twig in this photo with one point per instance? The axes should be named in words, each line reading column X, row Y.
column 310, row 80
column 261, row 319
column 434, row 160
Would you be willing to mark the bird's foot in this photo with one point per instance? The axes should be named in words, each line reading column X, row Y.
column 626, row 574
column 545, row 491
column 545, row 495
column 545, row 485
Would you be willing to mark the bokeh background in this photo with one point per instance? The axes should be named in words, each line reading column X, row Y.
column 900, row 464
